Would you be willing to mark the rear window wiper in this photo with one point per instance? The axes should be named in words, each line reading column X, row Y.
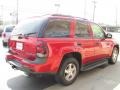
column 17, row 34
column 28, row 34
column 20, row 36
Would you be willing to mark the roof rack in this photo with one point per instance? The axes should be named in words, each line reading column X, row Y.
column 68, row 16
column 62, row 15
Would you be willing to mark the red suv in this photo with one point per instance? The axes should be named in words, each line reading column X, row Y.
column 60, row 45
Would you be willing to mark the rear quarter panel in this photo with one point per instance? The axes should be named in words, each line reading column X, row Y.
column 57, row 48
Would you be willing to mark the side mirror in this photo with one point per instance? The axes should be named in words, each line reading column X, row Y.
column 108, row 35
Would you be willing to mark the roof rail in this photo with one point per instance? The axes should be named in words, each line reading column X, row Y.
column 81, row 18
column 69, row 16
column 61, row 15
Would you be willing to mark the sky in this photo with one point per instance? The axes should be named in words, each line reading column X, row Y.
column 105, row 11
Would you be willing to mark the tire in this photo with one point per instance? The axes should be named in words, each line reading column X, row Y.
column 114, row 56
column 68, row 71
column 4, row 44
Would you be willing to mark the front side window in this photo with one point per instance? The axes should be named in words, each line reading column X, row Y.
column 81, row 30
column 97, row 31
column 57, row 28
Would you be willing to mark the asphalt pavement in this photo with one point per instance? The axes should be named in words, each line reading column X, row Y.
column 101, row 78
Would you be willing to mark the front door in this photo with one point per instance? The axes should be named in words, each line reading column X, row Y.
column 84, row 42
column 101, row 44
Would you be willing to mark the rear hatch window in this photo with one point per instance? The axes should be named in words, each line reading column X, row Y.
column 30, row 27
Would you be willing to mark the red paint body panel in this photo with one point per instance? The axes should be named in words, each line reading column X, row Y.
column 57, row 48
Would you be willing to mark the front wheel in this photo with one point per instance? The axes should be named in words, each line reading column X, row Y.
column 68, row 72
column 114, row 56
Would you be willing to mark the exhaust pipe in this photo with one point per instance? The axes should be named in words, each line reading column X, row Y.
column 14, row 67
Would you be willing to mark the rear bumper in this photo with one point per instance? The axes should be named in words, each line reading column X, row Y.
column 28, row 66
column 16, row 65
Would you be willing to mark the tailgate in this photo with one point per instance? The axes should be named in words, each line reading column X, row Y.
column 24, row 48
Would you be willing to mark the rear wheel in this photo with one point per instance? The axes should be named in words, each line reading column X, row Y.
column 4, row 44
column 68, row 71
column 114, row 56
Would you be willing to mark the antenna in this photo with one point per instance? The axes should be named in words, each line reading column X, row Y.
column 94, row 3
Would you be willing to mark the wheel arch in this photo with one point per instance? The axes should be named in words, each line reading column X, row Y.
column 75, row 55
column 117, row 46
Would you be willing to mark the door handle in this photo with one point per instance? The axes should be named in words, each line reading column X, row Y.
column 79, row 44
column 107, row 43
column 97, row 43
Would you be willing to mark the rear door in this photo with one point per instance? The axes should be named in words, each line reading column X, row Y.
column 84, row 41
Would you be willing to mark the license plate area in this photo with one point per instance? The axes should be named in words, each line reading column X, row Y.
column 19, row 46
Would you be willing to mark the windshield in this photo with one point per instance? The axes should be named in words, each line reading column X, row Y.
column 28, row 27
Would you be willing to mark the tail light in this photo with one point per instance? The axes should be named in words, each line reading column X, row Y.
column 4, row 35
column 41, row 49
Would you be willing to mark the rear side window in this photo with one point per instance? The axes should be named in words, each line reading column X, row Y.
column 57, row 28
column 81, row 30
